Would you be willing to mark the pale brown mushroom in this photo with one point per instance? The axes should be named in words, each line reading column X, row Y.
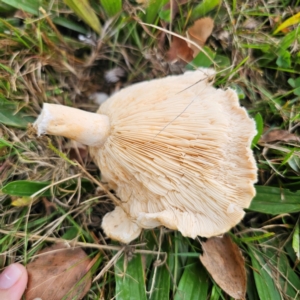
column 176, row 151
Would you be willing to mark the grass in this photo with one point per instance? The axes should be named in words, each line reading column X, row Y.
column 42, row 59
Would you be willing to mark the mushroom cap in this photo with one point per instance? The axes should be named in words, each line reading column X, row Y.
column 178, row 155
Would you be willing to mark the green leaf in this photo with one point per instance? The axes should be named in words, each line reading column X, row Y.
column 296, row 240
column 29, row 6
column 84, row 11
column 284, row 60
column 201, row 60
column 272, row 200
column 165, row 15
column 294, row 162
column 69, row 24
column 154, row 6
column 25, row 188
column 288, row 280
column 263, row 277
column 5, row 8
column 295, row 83
column 282, row 274
column 193, row 284
column 161, row 288
column 10, row 116
column 71, row 233
column 240, row 92
column 287, row 41
column 204, row 8
column 111, row 7
column 259, row 127
column 222, row 61
column 130, row 280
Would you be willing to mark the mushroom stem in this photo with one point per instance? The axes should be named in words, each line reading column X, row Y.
column 87, row 128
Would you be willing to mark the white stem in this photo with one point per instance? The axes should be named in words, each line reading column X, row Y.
column 90, row 129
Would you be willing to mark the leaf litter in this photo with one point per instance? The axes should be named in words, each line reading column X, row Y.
column 223, row 260
column 59, row 273
column 198, row 33
column 278, row 135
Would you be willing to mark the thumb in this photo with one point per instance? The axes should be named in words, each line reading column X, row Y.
column 13, row 281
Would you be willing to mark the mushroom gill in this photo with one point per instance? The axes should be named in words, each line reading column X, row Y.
column 177, row 152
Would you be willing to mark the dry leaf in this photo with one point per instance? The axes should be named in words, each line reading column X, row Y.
column 50, row 207
column 59, row 272
column 279, row 135
column 225, row 263
column 199, row 33
column 179, row 50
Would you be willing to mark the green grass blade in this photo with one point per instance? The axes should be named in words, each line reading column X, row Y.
column 259, row 127
column 272, row 200
column 193, row 284
column 29, row 6
column 296, row 240
column 83, row 10
column 130, row 280
column 9, row 118
column 284, row 277
column 111, row 7
column 153, row 9
column 9, row 114
column 263, row 277
column 161, row 287
column 69, row 24
column 201, row 60
column 25, row 188
column 203, row 8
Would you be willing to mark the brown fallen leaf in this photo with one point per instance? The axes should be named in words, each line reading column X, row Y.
column 59, row 273
column 179, row 50
column 199, row 33
column 225, row 263
column 279, row 135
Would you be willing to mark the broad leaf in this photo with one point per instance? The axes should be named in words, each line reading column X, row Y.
column 272, row 200
column 193, row 284
column 262, row 272
column 10, row 116
column 129, row 277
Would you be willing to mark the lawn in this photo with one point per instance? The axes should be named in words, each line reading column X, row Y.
column 79, row 52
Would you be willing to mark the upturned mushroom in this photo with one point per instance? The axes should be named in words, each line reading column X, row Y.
column 176, row 151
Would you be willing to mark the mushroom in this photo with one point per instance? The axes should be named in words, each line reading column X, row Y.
column 176, row 151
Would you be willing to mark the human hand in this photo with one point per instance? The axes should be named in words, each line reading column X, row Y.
column 13, row 281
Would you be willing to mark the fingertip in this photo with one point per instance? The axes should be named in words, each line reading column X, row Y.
column 13, row 281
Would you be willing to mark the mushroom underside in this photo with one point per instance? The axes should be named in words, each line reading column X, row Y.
column 179, row 155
